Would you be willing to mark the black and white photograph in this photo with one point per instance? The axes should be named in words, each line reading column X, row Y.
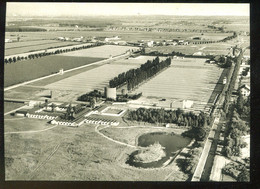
column 127, row 92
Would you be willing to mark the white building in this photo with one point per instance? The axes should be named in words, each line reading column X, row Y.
column 245, row 90
column 61, row 38
column 150, row 43
column 8, row 40
column 107, row 39
column 187, row 104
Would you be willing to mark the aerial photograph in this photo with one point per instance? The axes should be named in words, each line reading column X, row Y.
column 127, row 92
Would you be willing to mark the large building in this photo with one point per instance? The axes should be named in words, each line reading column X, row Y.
column 110, row 93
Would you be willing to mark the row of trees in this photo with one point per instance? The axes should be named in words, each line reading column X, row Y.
column 229, row 37
column 178, row 117
column 42, row 54
column 134, row 77
column 156, row 53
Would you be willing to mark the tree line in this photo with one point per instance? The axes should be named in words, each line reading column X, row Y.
column 42, row 54
column 134, row 77
column 237, row 127
column 178, row 117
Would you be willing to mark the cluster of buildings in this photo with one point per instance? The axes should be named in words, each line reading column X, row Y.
column 77, row 39
column 67, row 114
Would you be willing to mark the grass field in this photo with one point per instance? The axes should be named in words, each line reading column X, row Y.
column 96, row 78
column 186, row 79
column 103, row 51
column 91, row 79
column 33, row 46
column 9, row 106
column 31, row 69
column 64, row 153
column 28, row 43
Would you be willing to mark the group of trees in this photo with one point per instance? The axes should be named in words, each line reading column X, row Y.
column 42, row 54
column 189, row 163
column 156, row 53
column 178, row 117
column 238, row 127
column 96, row 94
column 223, row 61
column 127, row 97
column 134, row 77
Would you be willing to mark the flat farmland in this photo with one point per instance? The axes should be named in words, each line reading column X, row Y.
column 31, row 69
column 102, row 51
column 186, row 79
column 34, row 47
column 130, row 36
column 96, row 78
column 28, row 43
column 214, row 48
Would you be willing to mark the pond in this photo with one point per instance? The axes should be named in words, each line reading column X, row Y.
column 171, row 142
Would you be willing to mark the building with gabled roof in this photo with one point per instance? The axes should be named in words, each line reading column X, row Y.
column 245, row 90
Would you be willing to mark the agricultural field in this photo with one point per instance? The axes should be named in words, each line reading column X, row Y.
column 93, row 79
column 29, row 46
column 104, row 51
column 215, row 48
column 186, row 79
column 31, row 69
column 28, row 43
column 207, row 49
column 130, row 36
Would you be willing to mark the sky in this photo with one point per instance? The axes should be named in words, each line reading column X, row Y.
column 86, row 9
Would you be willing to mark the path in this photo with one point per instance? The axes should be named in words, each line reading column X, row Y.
column 27, row 132
column 45, row 161
column 118, row 142
column 14, row 110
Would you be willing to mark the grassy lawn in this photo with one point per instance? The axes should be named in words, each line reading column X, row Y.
column 186, row 79
column 9, row 106
column 65, row 153
column 31, row 69
column 96, row 78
